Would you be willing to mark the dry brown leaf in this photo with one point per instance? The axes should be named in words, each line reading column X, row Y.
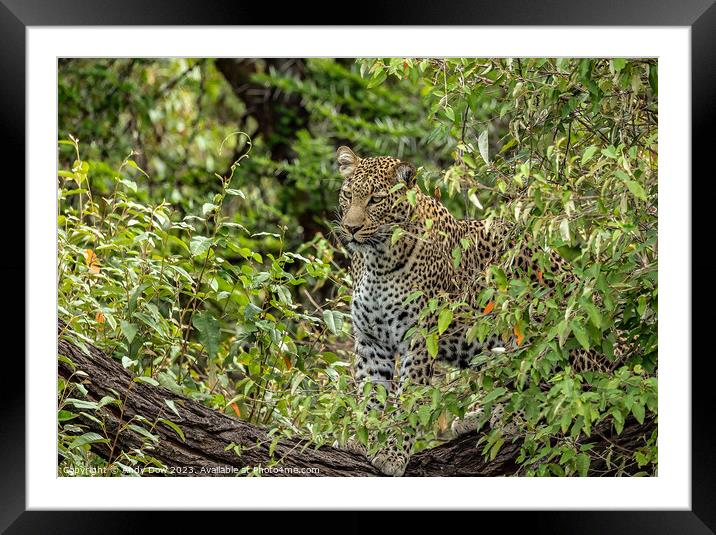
column 488, row 307
column 92, row 261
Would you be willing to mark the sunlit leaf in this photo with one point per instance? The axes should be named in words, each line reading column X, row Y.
column 482, row 142
column 444, row 320
column 333, row 320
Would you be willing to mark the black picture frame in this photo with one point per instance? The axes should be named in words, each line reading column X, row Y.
column 16, row 15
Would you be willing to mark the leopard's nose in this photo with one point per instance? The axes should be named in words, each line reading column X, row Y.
column 353, row 229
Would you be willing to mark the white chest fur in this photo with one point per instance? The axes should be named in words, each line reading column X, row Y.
column 378, row 309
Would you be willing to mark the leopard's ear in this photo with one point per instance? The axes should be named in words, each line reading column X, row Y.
column 405, row 171
column 347, row 161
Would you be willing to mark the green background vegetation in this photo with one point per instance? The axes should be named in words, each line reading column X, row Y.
column 194, row 227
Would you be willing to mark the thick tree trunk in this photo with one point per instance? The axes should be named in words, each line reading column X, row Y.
column 209, row 434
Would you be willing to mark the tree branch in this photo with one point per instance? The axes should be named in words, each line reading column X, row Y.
column 209, row 433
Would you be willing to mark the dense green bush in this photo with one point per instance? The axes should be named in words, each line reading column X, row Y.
column 194, row 255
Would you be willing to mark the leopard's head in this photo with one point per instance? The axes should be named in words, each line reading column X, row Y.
column 370, row 204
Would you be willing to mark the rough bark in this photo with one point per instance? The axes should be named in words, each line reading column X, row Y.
column 208, row 433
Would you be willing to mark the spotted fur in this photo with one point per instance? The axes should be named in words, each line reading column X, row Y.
column 372, row 203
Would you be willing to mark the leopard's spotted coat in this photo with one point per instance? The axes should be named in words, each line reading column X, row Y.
column 385, row 274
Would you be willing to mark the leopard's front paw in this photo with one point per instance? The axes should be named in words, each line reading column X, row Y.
column 467, row 424
column 390, row 462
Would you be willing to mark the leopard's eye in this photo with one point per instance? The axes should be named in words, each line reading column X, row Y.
column 375, row 199
column 346, row 193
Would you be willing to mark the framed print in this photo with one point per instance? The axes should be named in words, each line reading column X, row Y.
column 280, row 263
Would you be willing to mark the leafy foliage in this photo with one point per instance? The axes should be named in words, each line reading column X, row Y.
column 194, row 255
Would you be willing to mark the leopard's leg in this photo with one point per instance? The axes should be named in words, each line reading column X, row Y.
column 415, row 367
column 458, row 352
column 373, row 364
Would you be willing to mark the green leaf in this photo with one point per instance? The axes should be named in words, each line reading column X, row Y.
column 585, row 68
column 207, row 208
column 144, row 432
column 128, row 330
column 507, row 146
column 66, row 360
column 133, row 164
column 284, row 295
column 469, row 160
column 145, row 379
column 82, row 404
column 494, row 394
column 564, row 230
column 362, row 435
column 618, row 64
column 431, row 343
column 582, row 462
column 87, row 438
column 569, row 253
column 63, row 416
column 610, row 152
column 640, row 458
column 494, row 450
column 634, row 187
column 398, row 186
column 618, row 419
column 450, row 113
column 474, row 199
column 638, row 411
column 595, row 316
column 131, row 184
column 456, row 257
column 172, row 406
column 482, row 146
column 444, row 320
column 251, row 311
column 333, row 320
column 209, row 331
column 135, row 296
column 588, row 153
column 412, row 297
column 381, row 394
column 397, row 233
column 500, row 277
column 653, row 78
column 173, row 426
column 378, row 79
column 565, row 421
column 580, row 333
column 424, row 414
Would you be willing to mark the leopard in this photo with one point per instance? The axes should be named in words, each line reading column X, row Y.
column 378, row 195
